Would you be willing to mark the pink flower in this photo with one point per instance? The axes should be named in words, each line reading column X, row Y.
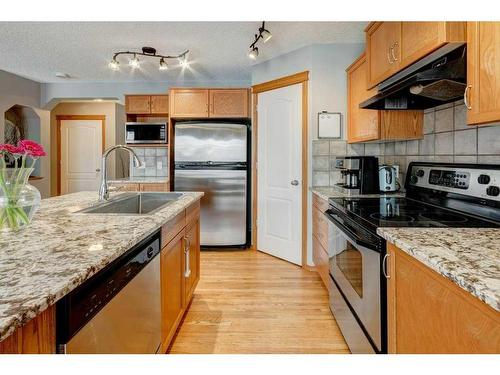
column 11, row 149
column 31, row 148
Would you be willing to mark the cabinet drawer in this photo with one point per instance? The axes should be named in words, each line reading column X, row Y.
column 320, row 227
column 174, row 226
column 320, row 259
column 320, row 203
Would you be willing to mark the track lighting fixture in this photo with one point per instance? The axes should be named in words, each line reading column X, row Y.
column 263, row 34
column 149, row 52
column 253, row 53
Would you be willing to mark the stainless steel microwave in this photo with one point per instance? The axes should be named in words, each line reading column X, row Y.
column 146, row 132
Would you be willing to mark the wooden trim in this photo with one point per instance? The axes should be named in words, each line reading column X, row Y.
column 294, row 79
column 60, row 118
column 281, row 82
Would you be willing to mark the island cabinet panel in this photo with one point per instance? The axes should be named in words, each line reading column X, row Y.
column 155, row 187
column 427, row 313
column 228, row 103
column 483, row 72
column 365, row 125
column 125, row 186
column 189, row 103
column 38, row 336
column 180, row 269
column 172, row 288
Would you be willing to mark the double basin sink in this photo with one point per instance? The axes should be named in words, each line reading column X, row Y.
column 133, row 204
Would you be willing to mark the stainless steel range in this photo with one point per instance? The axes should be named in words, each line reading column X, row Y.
column 437, row 195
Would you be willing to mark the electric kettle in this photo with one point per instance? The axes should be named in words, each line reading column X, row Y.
column 387, row 175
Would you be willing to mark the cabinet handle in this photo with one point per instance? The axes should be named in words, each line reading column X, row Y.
column 187, row 267
column 384, row 266
column 392, row 51
column 389, row 56
column 466, row 97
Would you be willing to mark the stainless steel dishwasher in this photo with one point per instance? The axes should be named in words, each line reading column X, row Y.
column 118, row 310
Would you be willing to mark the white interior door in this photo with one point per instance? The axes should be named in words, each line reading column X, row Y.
column 81, row 150
column 279, row 173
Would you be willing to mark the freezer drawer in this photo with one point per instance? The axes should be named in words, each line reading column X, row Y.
column 223, row 207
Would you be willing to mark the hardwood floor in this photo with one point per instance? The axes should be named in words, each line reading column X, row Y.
column 251, row 302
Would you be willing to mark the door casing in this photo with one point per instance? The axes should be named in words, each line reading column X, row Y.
column 302, row 78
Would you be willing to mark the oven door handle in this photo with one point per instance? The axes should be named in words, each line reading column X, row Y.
column 330, row 215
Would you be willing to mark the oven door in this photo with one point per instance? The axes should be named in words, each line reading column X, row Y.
column 355, row 269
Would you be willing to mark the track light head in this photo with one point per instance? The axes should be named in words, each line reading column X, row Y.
column 253, row 53
column 163, row 64
column 134, row 62
column 266, row 35
column 183, row 61
column 114, row 64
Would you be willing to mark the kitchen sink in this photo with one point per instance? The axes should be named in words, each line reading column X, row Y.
column 133, row 204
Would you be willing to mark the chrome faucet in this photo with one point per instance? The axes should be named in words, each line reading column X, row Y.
column 103, row 189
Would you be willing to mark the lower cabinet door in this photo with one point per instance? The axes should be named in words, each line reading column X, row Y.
column 172, row 288
column 192, row 258
column 155, row 187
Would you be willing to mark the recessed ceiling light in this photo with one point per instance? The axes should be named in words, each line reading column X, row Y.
column 62, row 75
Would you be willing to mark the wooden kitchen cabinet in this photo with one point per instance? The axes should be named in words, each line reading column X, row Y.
column 392, row 46
column 228, row 103
column 38, row 336
column 172, row 288
column 125, row 186
column 155, row 187
column 189, row 103
column 427, row 313
column 209, row 103
column 320, row 240
column 376, row 125
column 483, row 72
column 180, row 254
column 146, row 104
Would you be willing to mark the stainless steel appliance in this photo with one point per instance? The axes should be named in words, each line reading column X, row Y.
column 146, row 132
column 118, row 310
column 436, row 79
column 388, row 178
column 213, row 157
column 359, row 174
column 437, row 195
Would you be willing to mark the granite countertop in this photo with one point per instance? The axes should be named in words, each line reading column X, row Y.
column 61, row 250
column 331, row 192
column 139, row 180
column 470, row 257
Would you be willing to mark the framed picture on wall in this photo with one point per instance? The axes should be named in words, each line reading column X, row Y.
column 329, row 125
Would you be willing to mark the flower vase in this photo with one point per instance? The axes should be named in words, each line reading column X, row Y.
column 18, row 199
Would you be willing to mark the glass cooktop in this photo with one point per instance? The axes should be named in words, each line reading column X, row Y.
column 405, row 212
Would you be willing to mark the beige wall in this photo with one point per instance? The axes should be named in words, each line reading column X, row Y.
column 115, row 118
column 22, row 91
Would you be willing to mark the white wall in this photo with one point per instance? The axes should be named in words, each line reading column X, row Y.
column 22, row 91
column 326, row 64
column 52, row 92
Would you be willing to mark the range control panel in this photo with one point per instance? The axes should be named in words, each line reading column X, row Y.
column 475, row 181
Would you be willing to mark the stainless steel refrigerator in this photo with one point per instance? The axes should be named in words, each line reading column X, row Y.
column 213, row 157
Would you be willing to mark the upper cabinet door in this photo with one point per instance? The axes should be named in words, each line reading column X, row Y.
column 159, row 104
column 362, row 124
column 189, row 103
column 382, row 50
column 138, row 104
column 418, row 39
column 483, row 72
column 228, row 103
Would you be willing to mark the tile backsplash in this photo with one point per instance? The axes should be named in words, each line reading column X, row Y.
column 447, row 138
column 155, row 160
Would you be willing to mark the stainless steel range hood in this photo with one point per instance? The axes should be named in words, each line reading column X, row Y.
column 436, row 79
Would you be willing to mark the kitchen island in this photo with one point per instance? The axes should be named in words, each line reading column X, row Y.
column 61, row 249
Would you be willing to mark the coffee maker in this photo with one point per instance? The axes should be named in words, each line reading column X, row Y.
column 359, row 174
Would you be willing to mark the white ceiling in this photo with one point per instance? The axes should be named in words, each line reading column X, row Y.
column 218, row 50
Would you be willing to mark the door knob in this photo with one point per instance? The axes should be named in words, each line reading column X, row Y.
column 98, row 170
column 294, row 182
